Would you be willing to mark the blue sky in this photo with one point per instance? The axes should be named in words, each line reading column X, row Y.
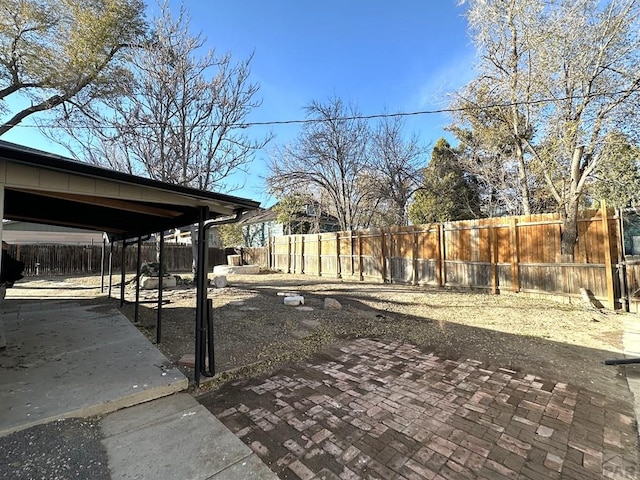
column 403, row 55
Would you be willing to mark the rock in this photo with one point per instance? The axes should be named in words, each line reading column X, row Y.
column 288, row 294
column 220, row 281
column 305, row 309
column 294, row 300
column 332, row 304
column 309, row 323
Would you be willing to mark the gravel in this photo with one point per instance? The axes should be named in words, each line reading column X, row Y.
column 79, row 454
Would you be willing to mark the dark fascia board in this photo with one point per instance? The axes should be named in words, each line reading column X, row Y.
column 38, row 158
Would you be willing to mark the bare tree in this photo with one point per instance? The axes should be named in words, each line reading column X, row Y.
column 579, row 67
column 57, row 53
column 596, row 53
column 181, row 119
column 395, row 169
column 508, row 44
column 327, row 159
column 492, row 137
column 494, row 171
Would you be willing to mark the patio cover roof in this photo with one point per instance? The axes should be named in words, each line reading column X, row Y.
column 44, row 188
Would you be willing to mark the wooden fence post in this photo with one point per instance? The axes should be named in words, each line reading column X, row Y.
column 302, row 254
column 352, row 253
column 289, row 254
column 414, row 254
column 319, row 254
column 515, row 255
column 268, row 262
column 607, row 256
column 493, row 254
column 441, row 269
column 271, row 253
column 360, row 264
column 384, row 256
column 338, row 266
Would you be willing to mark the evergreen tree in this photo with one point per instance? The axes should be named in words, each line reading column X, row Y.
column 618, row 175
column 446, row 193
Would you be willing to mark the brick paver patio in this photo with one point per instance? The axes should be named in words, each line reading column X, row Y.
column 389, row 411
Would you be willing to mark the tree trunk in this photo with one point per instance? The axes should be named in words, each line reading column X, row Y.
column 570, row 231
column 522, row 178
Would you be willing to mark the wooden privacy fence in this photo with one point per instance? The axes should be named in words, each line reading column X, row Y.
column 519, row 254
column 80, row 260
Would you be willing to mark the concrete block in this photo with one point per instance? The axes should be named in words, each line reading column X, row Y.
column 294, row 301
column 240, row 270
column 151, row 283
column 250, row 468
column 189, row 444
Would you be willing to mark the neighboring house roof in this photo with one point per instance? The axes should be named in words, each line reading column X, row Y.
column 261, row 215
column 44, row 188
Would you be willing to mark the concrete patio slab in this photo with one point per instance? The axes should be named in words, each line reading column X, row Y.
column 80, row 357
column 75, row 359
column 176, row 437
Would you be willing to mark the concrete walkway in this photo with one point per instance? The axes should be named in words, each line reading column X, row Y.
column 176, row 438
column 80, row 358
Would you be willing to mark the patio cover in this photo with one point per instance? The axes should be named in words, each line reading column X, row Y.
column 44, row 188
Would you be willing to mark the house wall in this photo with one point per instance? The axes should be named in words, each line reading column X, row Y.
column 257, row 234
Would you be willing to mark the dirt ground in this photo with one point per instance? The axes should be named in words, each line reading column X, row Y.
column 255, row 332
